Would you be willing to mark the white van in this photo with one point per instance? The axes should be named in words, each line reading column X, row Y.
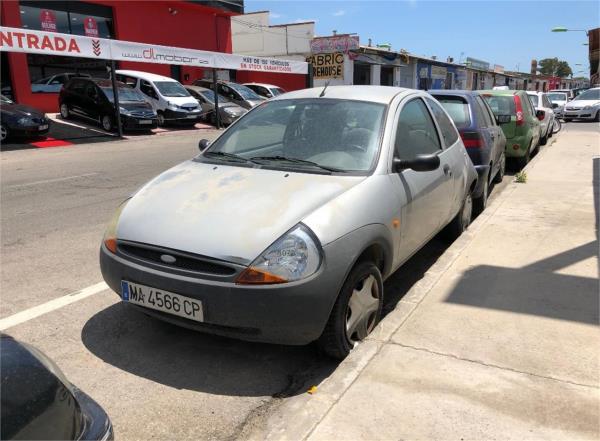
column 168, row 97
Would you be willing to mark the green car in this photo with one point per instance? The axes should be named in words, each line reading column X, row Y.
column 523, row 131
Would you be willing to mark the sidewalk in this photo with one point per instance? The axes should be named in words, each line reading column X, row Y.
column 498, row 341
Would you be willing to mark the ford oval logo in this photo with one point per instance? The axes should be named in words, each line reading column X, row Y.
column 167, row 258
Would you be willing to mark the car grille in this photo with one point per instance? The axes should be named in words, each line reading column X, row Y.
column 572, row 108
column 143, row 114
column 39, row 120
column 183, row 261
column 189, row 108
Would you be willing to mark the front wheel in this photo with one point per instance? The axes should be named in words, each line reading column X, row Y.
column 161, row 119
column 480, row 203
column 500, row 174
column 556, row 126
column 3, row 132
column 64, row 111
column 356, row 312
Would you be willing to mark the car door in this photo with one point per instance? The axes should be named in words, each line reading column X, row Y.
column 500, row 139
column 75, row 96
column 549, row 116
column 150, row 95
column 232, row 95
column 424, row 197
column 91, row 101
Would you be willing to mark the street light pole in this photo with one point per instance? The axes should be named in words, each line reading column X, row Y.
column 113, row 80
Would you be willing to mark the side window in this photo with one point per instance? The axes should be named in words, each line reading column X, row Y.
column 263, row 91
column 546, row 101
column 447, row 128
column 527, row 103
column 489, row 121
column 90, row 91
column 416, row 133
column 59, row 79
column 487, row 108
column 147, row 89
column 78, row 87
column 130, row 81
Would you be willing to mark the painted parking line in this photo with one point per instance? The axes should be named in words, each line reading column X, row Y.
column 49, row 181
column 52, row 305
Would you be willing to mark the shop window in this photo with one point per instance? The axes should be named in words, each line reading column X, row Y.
column 362, row 73
column 5, row 77
column 387, row 76
column 49, row 72
column 42, row 19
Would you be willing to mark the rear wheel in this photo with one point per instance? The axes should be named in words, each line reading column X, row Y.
column 597, row 116
column 107, row 123
column 480, row 203
column 556, row 126
column 544, row 139
column 356, row 312
column 3, row 132
column 65, row 113
column 462, row 220
column 524, row 160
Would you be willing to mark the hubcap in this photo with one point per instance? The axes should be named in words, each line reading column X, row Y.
column 362, row 309
column 3, row 133
column 467, row 211
column 161, row 119
column 64, row 111
column 106, row 123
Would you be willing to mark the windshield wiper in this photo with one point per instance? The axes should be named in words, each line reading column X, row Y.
column 225, row 155
column 295, row 161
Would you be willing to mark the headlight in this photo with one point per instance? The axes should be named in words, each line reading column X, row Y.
column 110, row 236
column 586, row 108
column 228, row 111
column 24, row 121
column 124, row 111
column 172, row 106
column 294, row 256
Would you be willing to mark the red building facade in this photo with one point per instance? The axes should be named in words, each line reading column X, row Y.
column 188, row 24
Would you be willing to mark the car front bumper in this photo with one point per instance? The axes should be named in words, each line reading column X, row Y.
column 135, row 123
column 581, row 113
column 29, row 131
column 292, row 313
column 182, row 117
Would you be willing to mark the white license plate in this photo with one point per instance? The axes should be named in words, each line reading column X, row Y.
column 44, row 127
column 145, row 121
column 192, row 116
column 160, row 300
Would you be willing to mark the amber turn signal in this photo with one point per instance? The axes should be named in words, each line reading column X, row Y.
column 111, row 244
column 253, row 276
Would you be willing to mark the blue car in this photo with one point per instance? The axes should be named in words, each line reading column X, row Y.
column 482, row 136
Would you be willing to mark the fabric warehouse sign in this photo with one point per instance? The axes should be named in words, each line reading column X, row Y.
column 327, row 66
column 51, row 43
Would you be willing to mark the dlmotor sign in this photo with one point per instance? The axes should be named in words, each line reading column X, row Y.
column 328, row 65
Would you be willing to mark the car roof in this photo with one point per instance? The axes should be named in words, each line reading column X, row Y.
column 453, row 92
column 375, row 94
column 197, row 88
column 144, row 75
column 500, row 92
column 261, row 84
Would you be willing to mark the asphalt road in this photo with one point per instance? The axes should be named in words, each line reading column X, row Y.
column 155, row 380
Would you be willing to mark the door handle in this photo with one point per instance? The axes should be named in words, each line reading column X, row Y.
column 447, row 170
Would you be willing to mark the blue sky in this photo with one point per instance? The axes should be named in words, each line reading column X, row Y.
column 508, row 32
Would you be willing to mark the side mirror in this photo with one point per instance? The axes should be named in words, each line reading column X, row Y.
column 540, row 114
column 203, row 144
column 554, row 106
column 419, row 163
column 269, row 95
column 503, row 119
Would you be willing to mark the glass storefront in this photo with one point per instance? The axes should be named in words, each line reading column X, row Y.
column 48, row 72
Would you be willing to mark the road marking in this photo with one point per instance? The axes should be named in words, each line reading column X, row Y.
column 48, row 181
column 52, row 305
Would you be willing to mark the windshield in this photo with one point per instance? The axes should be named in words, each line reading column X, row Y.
column 557, row 96
column 339, row 134
column 125, row 94
column 534, row 99
column 591, row 94
column 458, row 109
column 171, row 88
column 501, row 104
column 245, row 92
column 209, row 95
column 5, row 100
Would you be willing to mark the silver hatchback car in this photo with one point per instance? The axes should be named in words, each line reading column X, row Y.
column 284, row 228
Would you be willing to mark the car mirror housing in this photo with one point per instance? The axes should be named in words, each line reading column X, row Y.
column 420, row 163
column 203, row 144
column 503, row 119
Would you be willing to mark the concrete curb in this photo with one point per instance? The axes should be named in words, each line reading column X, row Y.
column 298, row 417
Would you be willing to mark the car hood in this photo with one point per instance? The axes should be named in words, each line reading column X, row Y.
column 225, row 212
column 580, row 104
column 135, row 105
column 21, row 110
column 184, row 101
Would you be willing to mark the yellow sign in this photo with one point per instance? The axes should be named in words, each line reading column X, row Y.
column 327, row 65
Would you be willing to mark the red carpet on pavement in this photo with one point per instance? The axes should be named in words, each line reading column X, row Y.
column 51, row 142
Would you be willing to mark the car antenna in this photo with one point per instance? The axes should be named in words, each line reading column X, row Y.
column 324, row 89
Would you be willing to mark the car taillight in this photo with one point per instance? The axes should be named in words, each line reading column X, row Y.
column 472, row 140
column 519, row 109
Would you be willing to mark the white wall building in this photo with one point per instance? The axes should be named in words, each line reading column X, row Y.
column 251, row 34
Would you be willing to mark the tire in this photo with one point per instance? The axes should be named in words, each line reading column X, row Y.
column 568, row 119
column 3, row 133
column 65, row 113
column 161, row 119
column 461, row 221
column 597, row 119
column 480, row 203
column 362, row 291
column 524, row 160
column 107, row 123
column 543, row 140
column 500, row 174
column 556, row 126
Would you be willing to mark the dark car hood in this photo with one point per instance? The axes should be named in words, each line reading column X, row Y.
column 135, row 105
column 21, row 110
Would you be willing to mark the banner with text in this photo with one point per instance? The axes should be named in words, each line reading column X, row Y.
column 327, row 66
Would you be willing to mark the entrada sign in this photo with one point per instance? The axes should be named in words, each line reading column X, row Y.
column 28, row 40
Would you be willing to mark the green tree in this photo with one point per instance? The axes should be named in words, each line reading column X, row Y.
column 554, row 67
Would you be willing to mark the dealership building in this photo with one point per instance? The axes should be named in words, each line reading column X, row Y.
column 34, row 78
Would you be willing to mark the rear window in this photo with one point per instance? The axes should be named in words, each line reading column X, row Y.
column 458, row 109
column 534, row 100
column 501, row 104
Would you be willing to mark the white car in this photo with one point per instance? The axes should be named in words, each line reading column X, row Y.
column 541, row 102
column 570, row 93
column 558, row 100
column 54, row 83
column 266, row 90
column 171, row 101
column 584, row 106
